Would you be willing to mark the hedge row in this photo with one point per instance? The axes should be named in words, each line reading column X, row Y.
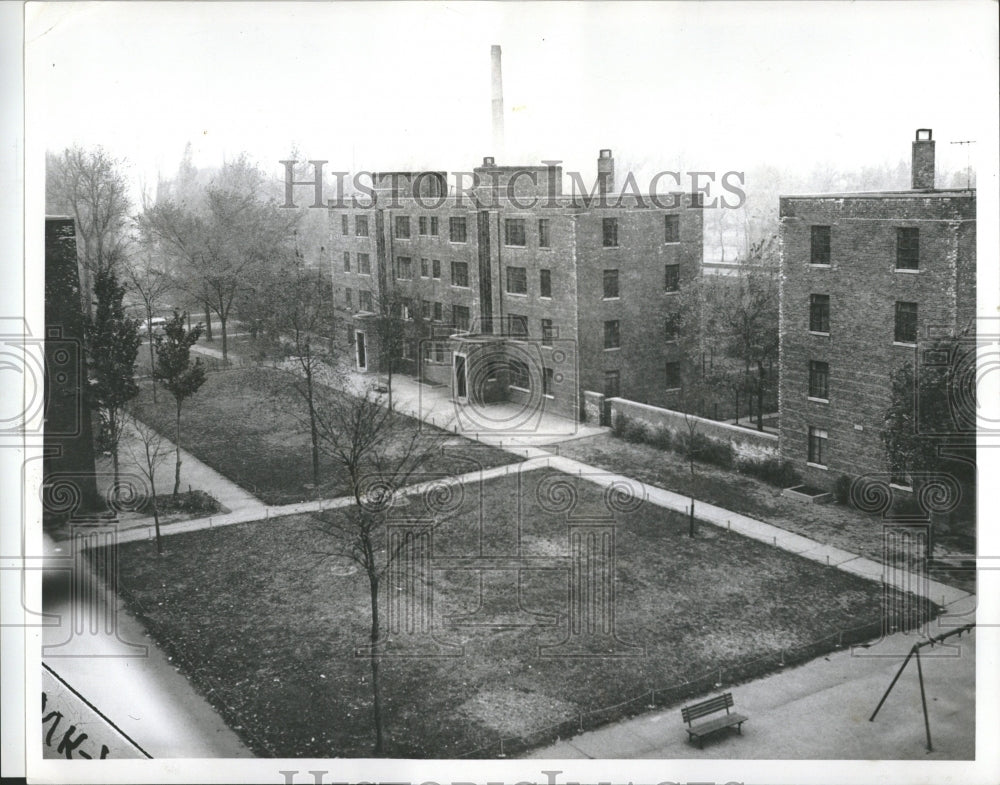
column 770, row 470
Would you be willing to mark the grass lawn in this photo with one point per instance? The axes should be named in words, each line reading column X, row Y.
column 248, row 425
column 267, row 631
column 832, row 524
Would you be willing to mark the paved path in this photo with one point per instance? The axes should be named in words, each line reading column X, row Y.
column 819, row 710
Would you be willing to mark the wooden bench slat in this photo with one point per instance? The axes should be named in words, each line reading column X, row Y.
column 712, row 706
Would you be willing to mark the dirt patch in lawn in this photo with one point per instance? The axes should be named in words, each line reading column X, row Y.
column 270, row 638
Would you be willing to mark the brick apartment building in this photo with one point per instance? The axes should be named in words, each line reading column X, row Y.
column 515, row 291
column 865, row 277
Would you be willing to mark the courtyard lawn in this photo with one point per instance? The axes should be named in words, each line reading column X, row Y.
column 267, row 628
column 248, row 424
column 832, row 524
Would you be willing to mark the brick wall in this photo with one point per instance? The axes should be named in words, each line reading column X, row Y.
column 863, row 285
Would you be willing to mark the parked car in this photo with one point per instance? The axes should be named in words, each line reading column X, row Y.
column 153, row 325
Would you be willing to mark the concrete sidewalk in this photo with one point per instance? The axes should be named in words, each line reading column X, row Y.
column 820, row 711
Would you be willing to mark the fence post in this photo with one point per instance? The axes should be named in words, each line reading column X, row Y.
column 691, row 520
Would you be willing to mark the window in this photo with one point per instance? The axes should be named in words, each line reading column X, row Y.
column 402, row 227
column 517, row 325
column 819, row 380
column 612, row 384
column 347, row 261
column 425, row 309
column 365, row 301
column 906, row 322
column 819, row 249
column 343, row 224
column 436, row 269
column 364, row 264
column 460, row 313
column 434, row 226
column 519, row 376
column 348, row 298
column 404, row 267
column 671, row 228
column 612, row 335
column 610, row 232
column 610, row 284
column 422, row 225
column 513, row 232
column 459, row 273
column 907, row 248
column 673, row 375
column 548, row 332
column 543, row 232
column 819, row 313
column 672, row 278
column 548, row 378
column 671, row 328
column 425, row 269
column 456, row 230
column 361, row 225
column 517, row 280
column 437, row 312
column 817, row 446
column 545, row 283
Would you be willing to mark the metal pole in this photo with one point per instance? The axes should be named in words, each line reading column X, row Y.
column 893, row 683
column 923, row 702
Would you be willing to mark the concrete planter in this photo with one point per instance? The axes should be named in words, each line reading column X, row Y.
column 807, row 494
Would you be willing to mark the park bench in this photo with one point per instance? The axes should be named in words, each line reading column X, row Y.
column 704, row 709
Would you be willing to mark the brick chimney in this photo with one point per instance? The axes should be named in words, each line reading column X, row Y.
column 922, row 167
column 605, row 172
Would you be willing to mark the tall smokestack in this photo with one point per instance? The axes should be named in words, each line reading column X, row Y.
column 496, row 83
column 922, row 167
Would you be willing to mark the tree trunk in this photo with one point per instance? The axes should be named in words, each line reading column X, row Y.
column 314, row 432
column 208, row 324
column 149, row 335
column 225, row 348
column 177, row 444
column 374, row 658
column 760, row 397
column 156, row 522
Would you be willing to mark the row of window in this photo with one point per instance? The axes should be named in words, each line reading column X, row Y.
column 671, row 281
column 431, row 268
column 612, row 380
column 364, row 263
column 428, row 226
column 905, row 329
column 515, row 229
column 907, row 247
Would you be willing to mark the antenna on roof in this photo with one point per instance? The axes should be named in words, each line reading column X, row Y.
column 968, row 166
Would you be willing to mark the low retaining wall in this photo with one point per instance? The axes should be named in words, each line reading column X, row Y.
column 747, row 444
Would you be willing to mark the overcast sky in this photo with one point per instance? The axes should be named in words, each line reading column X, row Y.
column 712, row 86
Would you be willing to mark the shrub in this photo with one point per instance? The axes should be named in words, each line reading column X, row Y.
column 712, row 451
column 842, row 489
column 662, row 437
column 635, row 432
column 772, row 470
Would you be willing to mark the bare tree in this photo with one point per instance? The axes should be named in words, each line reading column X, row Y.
column 218, row 244
column 303, row 306
column 148, row 451
column 151, row 282
column 379, row 451
column 90, row 186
